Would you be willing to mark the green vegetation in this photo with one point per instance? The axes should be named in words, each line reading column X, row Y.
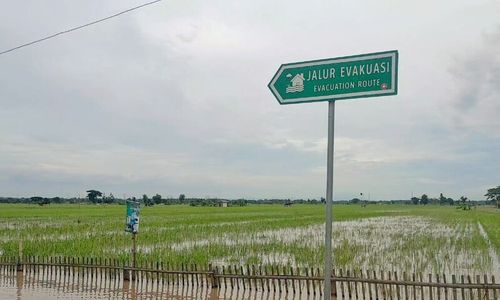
column 493, row 194
column 488, row 217
column 404, row 237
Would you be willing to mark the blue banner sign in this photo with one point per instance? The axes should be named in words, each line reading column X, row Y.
column 132, row 224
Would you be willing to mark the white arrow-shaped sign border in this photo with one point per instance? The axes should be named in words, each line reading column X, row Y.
column 392, row 91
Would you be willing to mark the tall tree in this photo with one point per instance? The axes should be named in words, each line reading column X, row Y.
column 40, row 200
column 424, row 199
column 442, row 199
column 463, row 203
column 109, row 199
column 493, row 195
column 147, row 201
column 355, row 200
column 94, row 195
column 157, row 199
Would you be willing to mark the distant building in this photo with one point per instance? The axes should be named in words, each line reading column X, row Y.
column 223, row 203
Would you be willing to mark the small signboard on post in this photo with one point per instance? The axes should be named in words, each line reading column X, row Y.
column 132, row 226
column 132, row 222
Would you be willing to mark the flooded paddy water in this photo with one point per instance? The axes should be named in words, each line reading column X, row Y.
column 64, row 281
column 401, row 243
column 388, row 243
column 72, row 286
column 291, row 239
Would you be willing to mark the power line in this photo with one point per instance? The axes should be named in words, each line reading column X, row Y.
column 78, row 27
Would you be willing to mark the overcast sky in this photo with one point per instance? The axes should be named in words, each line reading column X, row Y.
column 173, row 99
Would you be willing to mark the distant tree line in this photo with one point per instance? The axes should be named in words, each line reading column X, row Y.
column 42, row 200
column 463, row 203
column 424, row 200
column 98, row 197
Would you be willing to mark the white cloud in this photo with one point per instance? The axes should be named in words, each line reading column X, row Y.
column 174, row 98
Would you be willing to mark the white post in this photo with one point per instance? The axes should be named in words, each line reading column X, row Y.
column 329, row 199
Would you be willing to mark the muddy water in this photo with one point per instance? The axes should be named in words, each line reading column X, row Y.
column 21, row 286
column 72, row 286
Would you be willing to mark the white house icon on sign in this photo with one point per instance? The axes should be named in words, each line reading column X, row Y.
column 296, row 83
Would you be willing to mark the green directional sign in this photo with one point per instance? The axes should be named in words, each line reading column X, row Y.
column 358, row 76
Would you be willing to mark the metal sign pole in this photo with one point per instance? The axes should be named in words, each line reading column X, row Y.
column 329, row 201
column 328, row 80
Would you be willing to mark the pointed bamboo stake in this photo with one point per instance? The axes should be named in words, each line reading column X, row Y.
column 430, row 288
column 405, row 278
column 471, row 294
column 495, row 291
column 398, row 295
column 341, row 283
column 307, row 282
column 299, row 282
column 438, row 295
column 486, row 290
column 478, row 281
column 390, row 285
column 445, row 289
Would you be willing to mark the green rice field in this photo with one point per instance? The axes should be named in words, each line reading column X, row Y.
column 437, row 239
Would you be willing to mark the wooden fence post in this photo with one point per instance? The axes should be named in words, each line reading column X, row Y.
column 213, row 279
column 126, row 273
column 19, row 264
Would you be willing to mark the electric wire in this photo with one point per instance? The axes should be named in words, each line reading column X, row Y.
column 79, row 27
